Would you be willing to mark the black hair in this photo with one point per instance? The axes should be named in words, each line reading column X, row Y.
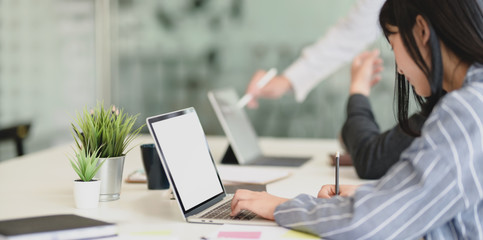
column 458, row 24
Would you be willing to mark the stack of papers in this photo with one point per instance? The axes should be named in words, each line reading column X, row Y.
column 233, row 174
column 251, row 175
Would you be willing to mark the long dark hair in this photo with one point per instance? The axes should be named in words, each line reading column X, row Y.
column 458, row 24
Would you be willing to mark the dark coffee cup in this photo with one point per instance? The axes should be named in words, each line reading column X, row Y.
column 155, row 174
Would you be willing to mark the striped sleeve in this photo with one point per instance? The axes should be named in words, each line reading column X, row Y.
column 434, row 183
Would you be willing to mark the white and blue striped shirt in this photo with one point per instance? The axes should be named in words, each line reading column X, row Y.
column 435, row 190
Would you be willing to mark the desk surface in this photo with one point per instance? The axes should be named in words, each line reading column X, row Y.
column 42, row 183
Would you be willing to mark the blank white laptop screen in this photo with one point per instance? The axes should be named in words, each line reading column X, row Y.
column 190, row 163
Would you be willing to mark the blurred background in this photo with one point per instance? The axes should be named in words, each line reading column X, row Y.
column 155, row 56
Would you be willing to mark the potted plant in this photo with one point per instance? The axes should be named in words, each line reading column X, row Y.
column 86, row 188
column 108, row 133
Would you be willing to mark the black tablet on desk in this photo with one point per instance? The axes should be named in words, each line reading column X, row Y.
column 244, row 148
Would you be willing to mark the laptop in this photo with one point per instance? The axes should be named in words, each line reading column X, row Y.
column 243, row 146
column 187, row 161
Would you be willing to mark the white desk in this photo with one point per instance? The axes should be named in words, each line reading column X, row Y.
column 42, row 183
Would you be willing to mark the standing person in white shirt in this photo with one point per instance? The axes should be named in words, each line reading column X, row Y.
column 339, row 46
column 369, row 147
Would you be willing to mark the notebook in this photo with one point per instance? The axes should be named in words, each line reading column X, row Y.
column 191, row 170
column 62, row 226
column 244, row 148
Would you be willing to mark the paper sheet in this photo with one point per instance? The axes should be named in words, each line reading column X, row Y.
column 249, row 232
column 234, row 174
column 253, row 175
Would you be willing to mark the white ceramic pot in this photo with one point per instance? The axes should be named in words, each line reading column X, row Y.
column 86, row 194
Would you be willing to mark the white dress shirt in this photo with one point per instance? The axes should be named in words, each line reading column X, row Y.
column 339, row 46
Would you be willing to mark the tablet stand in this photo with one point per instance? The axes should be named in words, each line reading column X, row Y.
column 229, row 157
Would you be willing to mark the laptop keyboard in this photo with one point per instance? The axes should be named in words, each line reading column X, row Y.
column 223, row 212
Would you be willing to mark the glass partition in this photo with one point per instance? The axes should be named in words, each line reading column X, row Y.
column 169, row 54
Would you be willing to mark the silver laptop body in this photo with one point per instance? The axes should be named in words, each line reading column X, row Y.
column 241, row 134
column 187, row 161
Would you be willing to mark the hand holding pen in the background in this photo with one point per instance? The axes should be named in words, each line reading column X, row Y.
column 277, row 87
column 260, row 84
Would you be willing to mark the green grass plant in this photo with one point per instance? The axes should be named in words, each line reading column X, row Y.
column 110, row 131
column 86, row 164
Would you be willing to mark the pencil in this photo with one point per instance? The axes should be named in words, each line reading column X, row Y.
column 337, row 158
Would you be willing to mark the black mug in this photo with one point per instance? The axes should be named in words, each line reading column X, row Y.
column 155, row 174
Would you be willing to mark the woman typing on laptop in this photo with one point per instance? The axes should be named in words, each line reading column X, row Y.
column 435, row 189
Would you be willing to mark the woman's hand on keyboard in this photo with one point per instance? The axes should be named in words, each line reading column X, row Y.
column 261, row 203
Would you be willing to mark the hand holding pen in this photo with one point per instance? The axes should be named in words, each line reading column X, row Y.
column 337, row 160
column 329, row 191
column 275, row 88
column 262, row 82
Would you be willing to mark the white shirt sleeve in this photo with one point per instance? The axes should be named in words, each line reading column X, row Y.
column 341, row 43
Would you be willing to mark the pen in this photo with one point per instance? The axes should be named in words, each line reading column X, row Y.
column 263, row 81
column 337, row 158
